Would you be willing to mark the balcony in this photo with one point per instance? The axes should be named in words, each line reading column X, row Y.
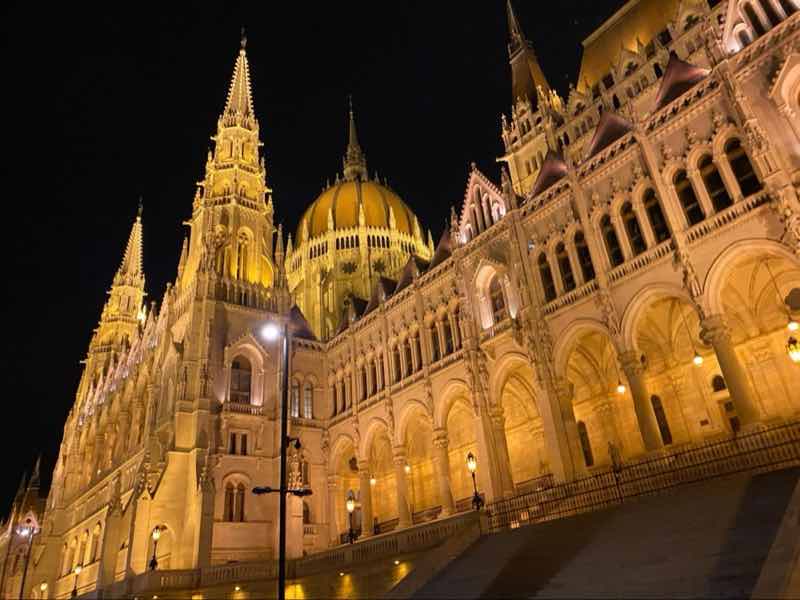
column 243, row 408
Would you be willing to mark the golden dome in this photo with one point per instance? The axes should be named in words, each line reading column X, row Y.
column 343, row 200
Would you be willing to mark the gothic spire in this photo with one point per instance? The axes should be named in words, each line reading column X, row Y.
column 130, row 272
column 239, row 104
column 527, row 77
column 355, row 163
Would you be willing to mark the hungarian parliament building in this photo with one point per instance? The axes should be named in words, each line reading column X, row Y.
column 626, row 285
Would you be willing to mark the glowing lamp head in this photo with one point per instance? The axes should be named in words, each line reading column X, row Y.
column 78, row 569
column 156, row 533
column 793, row 348
column 43, row 587
column 237, row 588
column 793, row 325
column 621, row 388
column 271, row 332
column 396, row 562
column 350, row 504
column 372, row 481
column 472, row 463
column 697, row 360
column 407, row 468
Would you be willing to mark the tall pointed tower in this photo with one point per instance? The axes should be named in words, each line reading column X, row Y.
column 232, row 227
column 534, row 110
column 123, row 311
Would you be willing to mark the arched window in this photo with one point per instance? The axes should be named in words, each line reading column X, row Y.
column 718, row 383
column 657, row 70
column 448, row 336
column 613, row 248
column 742, row 168
column 241, row 257
column 584, row 257
column 408, row 360
column 661, row 420
column 688, row 199
column 631, row 223
column 294, row 404
column 241, row 375
column 335, row 396
column 395, row 364
column 565, row 267
column 497, row 299
column 308, row 401
column 228, row 507
column 586, row 447
column 546, row 277
column 720, row 199
column 238, row 508
column 656, row 216
column 769, row 10
column 435, row 351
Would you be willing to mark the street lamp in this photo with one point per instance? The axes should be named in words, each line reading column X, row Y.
column 43, row 589
column 78, row 569
column 27, row 532
column 156, row 536
column 351, row 506
column 472, row 466
column 793, row 348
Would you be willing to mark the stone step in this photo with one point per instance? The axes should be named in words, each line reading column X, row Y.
column 709, row 539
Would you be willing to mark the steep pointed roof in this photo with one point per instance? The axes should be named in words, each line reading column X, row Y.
column 526, row 73
column 240, row 99
column 609, row 129
column 553, row 169
column 131, row 272
column 355, row 162
column 382, row 290
column 414, row 266
column 444, row 249
column 679, row 77
column 300, row 326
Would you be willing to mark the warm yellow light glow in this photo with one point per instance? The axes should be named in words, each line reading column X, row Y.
column 793, row 325
column 271, row 332
column 43, row 587
column 472, row 463
column 697, row 360
column 236, row 589
column 350, row 504
column 621, row 388
column 78, row 569
column 372, row 481
column 341, row 574
column 142, row 316
column 396, row 562
column 407, row 469
column 156, row 533
column 793, row 348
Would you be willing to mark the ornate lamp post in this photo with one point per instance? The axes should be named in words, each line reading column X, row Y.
column 156, row 536
column 351, row 506
column 43, row 589
column 78, row 569
column 472, row 466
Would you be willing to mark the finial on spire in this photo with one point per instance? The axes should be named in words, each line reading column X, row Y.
column 141, row 208
column 355, row 163
column 239, row 103
column 243, row 38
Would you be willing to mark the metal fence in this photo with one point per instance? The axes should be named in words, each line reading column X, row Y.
column 766, row 449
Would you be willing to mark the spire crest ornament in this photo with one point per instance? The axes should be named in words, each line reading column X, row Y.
column 239, row 103
column 355, row 163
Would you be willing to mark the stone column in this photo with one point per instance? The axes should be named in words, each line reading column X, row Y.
column 634, row 371
column 333, row 525
column 699, row 186
column 715, row 331
column 442, row 470
column 564, row 391
column 403, row 513
column 501, row 450
column 366, row 498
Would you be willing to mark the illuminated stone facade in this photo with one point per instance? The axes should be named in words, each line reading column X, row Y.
column 627, row 288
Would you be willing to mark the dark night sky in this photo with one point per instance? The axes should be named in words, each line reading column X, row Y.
column 102, row 108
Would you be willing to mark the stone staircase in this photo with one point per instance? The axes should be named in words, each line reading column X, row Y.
column 709, row 539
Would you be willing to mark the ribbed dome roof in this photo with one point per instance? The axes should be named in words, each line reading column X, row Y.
column 343, row 200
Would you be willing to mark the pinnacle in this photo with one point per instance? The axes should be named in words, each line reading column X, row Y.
column 355, row 163
column 240, row 99
column 131, row 268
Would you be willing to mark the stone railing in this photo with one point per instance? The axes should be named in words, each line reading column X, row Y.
column 244, row 293
column 640, row 262
column 243, row 409
column 570, row 297
column 724, row 217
